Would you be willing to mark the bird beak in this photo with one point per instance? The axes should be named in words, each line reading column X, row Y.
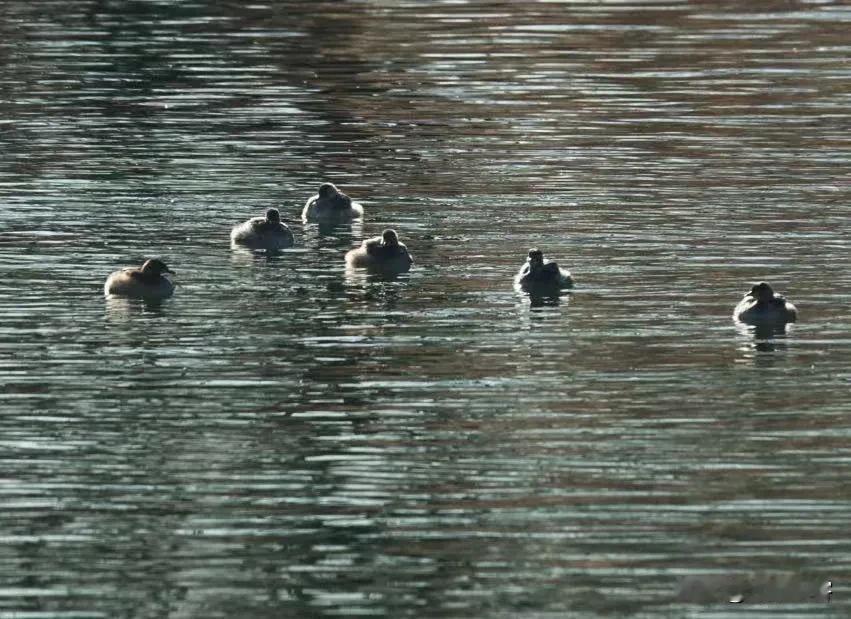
column 170, row 271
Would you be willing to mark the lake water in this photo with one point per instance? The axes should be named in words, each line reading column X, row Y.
column 284, row 439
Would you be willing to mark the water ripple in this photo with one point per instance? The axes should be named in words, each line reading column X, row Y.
column 285, row 438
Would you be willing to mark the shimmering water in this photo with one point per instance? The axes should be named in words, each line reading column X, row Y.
column 284, row 439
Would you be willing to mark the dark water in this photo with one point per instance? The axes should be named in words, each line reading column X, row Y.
column 283, row 439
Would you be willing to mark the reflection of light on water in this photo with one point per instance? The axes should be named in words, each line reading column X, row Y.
column 356, row 277
column 781, row 587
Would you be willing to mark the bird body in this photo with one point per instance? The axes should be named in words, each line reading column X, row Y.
column 267, row 233
column 146, row 281
column 762, row 306
column 538, row 274
column 330, row 205
column 382, row 253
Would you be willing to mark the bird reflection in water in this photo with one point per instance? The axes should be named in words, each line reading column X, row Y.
column 538, row 301
column 764, row 338
column 120, row 309
column 543, row 298
column 384, row 288
column 346, row 230
column 243, row 256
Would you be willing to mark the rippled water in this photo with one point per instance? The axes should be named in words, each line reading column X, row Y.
column 283, row 439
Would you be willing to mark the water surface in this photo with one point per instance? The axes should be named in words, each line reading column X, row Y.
column 282, row 438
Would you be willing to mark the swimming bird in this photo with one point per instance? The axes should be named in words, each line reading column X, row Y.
column 539, row 275
column 763, row 306
column 267, row 233
column 330, row 205
column 383, row 254
column 147, row 281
